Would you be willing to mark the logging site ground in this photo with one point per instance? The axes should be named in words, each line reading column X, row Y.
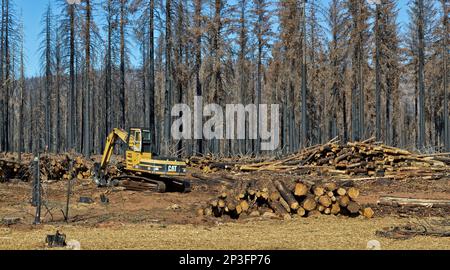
column 148, row 220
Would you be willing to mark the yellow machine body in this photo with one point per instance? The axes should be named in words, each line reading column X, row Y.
column 139, row 158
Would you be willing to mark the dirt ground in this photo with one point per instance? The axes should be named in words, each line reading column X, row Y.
column 139, row 220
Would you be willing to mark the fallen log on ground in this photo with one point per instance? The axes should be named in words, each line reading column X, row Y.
column 400, row 201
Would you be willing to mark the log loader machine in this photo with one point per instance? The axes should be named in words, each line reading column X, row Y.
column 143, row 169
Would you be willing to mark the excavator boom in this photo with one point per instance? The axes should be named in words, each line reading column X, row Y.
column 117, row 133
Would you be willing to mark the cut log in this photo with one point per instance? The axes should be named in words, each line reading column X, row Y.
column 300, row 189
column 301, row 212
column 335, row 208
column 231, row 205
column 244, row 205
column 392, row 201
column 318, row 191
column 277, row 207
column 214, row 203
column 221, row 203
column 367, row 212
column 274, row 196
column 341, row 191
column 330, row 186
column 325, row 201
column 309, row 204
column 353, row 193
column 238, row 209
column 321, row 208
column 286, row 194
column 285, row 204
column 327, row 211
column 343, row 200
column 342, row 157
column 353, row 207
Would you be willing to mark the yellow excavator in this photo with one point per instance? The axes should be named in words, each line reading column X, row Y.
column 143, row 169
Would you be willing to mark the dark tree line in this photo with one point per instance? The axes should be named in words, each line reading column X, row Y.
column 342, row 68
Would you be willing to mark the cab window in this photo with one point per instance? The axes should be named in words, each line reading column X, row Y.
column 137, row 141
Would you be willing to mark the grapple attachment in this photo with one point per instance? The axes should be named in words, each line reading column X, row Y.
column 98, row 174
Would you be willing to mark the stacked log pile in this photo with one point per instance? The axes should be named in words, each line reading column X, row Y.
column 52, row 167
column 276, row 198
column 56, row 167
column 359, row 159
column 13, row 170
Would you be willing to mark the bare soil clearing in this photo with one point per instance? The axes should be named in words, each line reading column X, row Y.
column 139, row 220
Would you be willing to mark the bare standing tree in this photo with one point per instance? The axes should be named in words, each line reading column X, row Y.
column 22, row 94
column 123, row 24
column 421, row 70
column 168, row 75
column 87, row 92
column 198, row 59
column 261, row 27
column 47, row 60
column 445, row 31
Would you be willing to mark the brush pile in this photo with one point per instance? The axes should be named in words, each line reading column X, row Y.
column 278, row 199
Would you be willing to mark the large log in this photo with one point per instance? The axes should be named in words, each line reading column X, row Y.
column 343, row 200
column 367, row 212
column 300, row 190
column 301, row 212
column 353, row 207
column 285, row 204
column 393, row 201
column 330, row 186
column 318, row 190
column 244, row 205
column 286, row 194
column 325, row 201
column 335, row 208
column 277, row 207
column 353, row 193
column 309, row 204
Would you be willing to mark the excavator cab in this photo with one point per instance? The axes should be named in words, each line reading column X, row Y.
column 140, row 140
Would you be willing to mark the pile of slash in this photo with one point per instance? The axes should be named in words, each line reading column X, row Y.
column 275, row 198
column 362, row 159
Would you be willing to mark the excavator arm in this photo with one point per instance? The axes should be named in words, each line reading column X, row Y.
column 99, row 169
column 117, row 133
